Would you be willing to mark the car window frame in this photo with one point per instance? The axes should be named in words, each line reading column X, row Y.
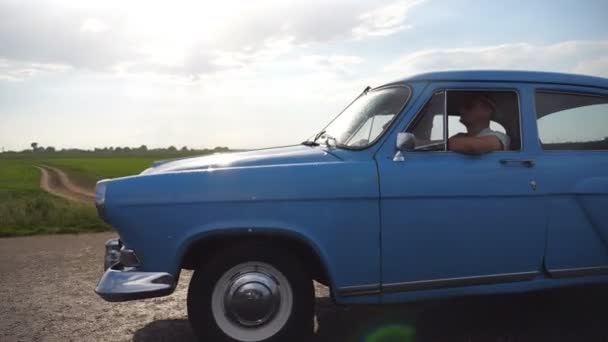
column 563, row 92
column 418, row 116
column 445, row 114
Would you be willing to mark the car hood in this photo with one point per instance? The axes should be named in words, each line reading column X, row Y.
column 265, row 157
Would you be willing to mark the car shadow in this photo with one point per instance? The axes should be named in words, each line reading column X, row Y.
column 577, row 314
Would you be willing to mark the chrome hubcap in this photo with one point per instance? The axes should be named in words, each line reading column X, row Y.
column 252, row 299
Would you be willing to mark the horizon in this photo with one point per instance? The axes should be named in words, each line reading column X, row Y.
column 41, row 148
column 253, row 75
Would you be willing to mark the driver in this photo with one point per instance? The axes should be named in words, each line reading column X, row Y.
column 475, row 113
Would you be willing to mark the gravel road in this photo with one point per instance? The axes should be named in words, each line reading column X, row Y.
column 46, row 294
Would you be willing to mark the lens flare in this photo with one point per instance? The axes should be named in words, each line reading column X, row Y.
column 393, row 333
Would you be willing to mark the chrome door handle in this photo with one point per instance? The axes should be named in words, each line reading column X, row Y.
column 524, row 162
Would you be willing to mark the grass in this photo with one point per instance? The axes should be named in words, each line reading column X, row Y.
column 25, row 209
column 87, row 171
column 40, row 213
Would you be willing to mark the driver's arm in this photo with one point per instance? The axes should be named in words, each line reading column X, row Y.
column 474, row 145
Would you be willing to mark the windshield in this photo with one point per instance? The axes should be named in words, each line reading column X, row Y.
column 367, row 118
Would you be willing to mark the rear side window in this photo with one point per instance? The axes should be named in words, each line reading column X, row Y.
column 572, row 121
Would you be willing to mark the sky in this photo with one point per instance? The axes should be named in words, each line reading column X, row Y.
column 247, row 74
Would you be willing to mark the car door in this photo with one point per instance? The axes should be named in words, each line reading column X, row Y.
column 450, row 219
column 573, row 172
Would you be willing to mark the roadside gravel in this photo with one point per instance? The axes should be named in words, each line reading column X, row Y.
column 46, row 294
column 46, row 291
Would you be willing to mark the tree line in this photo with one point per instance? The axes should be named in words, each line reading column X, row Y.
column 37, row 148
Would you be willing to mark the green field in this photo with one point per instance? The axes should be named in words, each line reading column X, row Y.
column 25, row 209
column 86, row 171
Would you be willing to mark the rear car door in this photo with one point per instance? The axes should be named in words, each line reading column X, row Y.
column 573, row 174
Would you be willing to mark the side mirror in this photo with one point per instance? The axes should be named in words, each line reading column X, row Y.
column 405, row 141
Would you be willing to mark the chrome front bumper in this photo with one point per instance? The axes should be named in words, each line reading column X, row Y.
column 122, row 281
column 122, row 285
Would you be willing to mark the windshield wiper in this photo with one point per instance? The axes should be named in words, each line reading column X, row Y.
column 328, row 138
column 309, row 143
column 319, row 135
column 313, row 142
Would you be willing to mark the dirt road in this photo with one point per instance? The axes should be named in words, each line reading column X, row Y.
column 57, row 182
column 46, row 294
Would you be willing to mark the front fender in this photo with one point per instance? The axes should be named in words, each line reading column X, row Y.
column 333, row 206
column 228, row 230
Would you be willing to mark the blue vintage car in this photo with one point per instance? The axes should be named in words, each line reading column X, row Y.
column 438, row 185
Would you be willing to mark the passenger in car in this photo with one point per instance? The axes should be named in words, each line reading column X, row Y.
column 475, row 113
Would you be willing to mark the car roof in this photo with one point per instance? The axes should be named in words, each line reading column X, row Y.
column 510, row 76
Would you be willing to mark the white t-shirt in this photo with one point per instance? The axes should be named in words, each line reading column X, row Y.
column 503, row 138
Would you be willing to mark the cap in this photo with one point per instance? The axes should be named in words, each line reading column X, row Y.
column 469, row 99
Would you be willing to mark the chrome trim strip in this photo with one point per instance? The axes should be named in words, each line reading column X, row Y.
column 445, row 121
column 557, row 91
column 457, row 282
column 359, row 290
column 578, row 272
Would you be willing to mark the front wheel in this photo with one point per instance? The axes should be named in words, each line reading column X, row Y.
column 253, row 293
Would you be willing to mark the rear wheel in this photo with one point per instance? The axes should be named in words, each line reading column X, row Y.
column 251, row 293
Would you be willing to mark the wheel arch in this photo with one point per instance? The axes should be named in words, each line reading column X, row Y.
column 204, row 245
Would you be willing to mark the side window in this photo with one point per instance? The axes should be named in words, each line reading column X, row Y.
column 429, row 125
column 572, row 122
column 472, row 113
column 458, row 127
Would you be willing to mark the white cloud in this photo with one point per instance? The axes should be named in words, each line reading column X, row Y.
column 19, row 71
column 593, row 67
column 93, row 25
column 38, row 32
column 271, row 49
column 333, row 63
column 385, row 20
column 570, row 56
column 188, row 39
